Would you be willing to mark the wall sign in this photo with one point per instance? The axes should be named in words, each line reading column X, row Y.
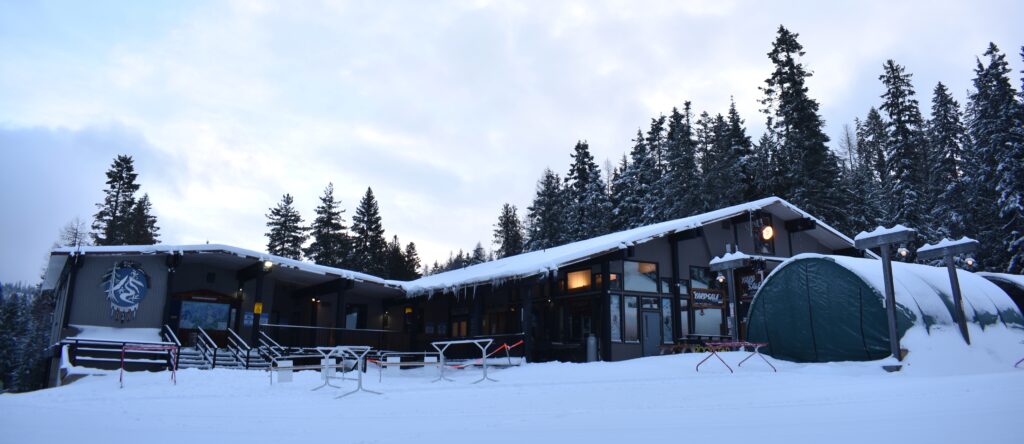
column 703, row 296
column 125, row 285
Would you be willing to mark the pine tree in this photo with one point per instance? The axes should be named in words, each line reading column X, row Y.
column 681, row 183
column 990, row 120
column 629, row 186
column 650, row 171
column 762, row 179
column 397, row 268
column 286, row 234
column 862, row 189
column 807, row 171
column 741, row 154
column 508, row 232
column 545, row 219
column 1011, row 188
column 587, row 204
column 112, row 222
column 945, row 152
column 905, row 150
column 369, row 249
column 412, row 262
column 618, row 189
column 331, row 243
column 724, row 183
column 142, row 229
column 705, row 143
column 872, row 139
column 479, row 255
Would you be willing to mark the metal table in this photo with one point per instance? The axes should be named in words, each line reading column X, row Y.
column 712, row 351
column 482, row 344
column 326, row 369
column 358, row 352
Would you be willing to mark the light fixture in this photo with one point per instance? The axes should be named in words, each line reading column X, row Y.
column 767, row 232
column 267, row 265
column 969, row 261
column 721, row 278
column 903, row 251
column 313, row 299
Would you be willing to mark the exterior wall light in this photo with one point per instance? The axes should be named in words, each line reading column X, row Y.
column 969, row 261
column 903, row 251
column 721, row 278
column 767, row 232
column 267, row 265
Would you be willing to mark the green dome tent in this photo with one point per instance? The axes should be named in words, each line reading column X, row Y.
column 817, row 308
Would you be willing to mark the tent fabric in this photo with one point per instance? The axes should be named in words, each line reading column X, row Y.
column 818, row 308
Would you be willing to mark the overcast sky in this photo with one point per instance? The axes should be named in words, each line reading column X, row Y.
column 446, row 110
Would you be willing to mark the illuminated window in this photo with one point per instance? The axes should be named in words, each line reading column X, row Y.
column 579, row 280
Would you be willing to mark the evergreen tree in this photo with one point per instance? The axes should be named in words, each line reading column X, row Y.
column 944, row 155
column 588, row 206
column 508, row 232
column 412, row 262
column 331, row 242
column 112, row 222
column 742, row 154
column 545, row 220
column 872, row 139
column 479, row 255
column 369, row 249
column 1011, row 188
column 630, row 186
column 397, row 268
column 724, row 183
column 861, row 188
column 705, row 144
column 991, row 121
column 650, row 171
column 618, row 189
column 807, row 171
column 905, row 185
column 142, row 229
column 286, row 234
column 680, row 184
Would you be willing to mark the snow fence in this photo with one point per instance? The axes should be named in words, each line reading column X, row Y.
column 817, row 308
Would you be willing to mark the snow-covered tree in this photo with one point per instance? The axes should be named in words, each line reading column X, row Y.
column 508, row 232
column 680, row 184
column 287, row 234
column 331, row 241
column 112, row 222
column 905, row 149
column 142, row 229
column 587, row 204
column 945, row 191
column 1011, row 188
column 479, row 255
column 545, row 219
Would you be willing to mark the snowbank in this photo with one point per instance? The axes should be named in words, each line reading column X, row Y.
column 117, row 334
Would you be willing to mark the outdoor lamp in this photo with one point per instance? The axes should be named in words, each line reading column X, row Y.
column 767, row 232
column 969, row 261
column 721, row 278
column 903, row 251
column 267, row 265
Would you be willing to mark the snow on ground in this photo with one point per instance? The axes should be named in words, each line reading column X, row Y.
column 117, row 334
column 968, row 395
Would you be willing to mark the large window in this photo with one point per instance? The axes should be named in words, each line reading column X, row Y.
column 631, row 333
column 355, row 316
column 641, row 276
column 615, row 308
column 579, row 280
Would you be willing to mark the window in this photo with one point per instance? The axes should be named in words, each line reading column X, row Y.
column 579, row 280
column 630, row 315
column 684, row 317
column 666, row 320
column 649, row 303
column 355, row 316
column 614, row 281
column 700, row 277
column 641, row 276
column 615, row 308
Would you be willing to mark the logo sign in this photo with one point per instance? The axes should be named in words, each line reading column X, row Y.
column 703, row 296
column 125, row 286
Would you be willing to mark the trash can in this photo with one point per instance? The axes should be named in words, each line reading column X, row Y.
column 591, row 348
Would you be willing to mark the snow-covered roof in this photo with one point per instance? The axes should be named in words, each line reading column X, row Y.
column 946, row 242
column 880, row 230
column 542, row 261
column 1014, row 279
column 736, row 255
column 228, row 249
column 926, row 291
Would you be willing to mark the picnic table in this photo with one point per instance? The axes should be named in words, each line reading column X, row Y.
column 482, row 344
column 713, row 348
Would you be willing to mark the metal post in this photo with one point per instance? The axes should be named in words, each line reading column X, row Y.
column 958, row 300
column 734, row 323
column 890, row 303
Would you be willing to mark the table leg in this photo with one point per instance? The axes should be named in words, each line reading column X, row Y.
column 711, row 353
column 483, row 353
column 360, row 366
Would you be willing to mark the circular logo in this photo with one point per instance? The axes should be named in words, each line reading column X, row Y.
column 125, row 285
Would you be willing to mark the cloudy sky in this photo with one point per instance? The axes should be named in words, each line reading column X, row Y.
column 446, row 110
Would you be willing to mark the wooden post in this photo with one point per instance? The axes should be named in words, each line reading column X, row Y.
column 527, row 315
column 677, row 324
column 890, row 303
column 958, row 300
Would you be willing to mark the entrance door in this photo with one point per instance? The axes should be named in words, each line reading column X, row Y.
column 651, row 337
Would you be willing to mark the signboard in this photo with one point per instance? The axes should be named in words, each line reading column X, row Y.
column 125, row 286
column 247, row 318
column 264, row 318
column 258, row 308
column 704, row 296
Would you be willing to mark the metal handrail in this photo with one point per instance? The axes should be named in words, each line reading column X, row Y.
column 269, row 339
column 240, row 347
column 168, row 333
column 207, row 347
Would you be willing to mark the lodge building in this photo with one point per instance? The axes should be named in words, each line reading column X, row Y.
column 634, row 291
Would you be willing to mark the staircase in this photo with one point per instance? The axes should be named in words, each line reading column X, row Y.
column 191, row 357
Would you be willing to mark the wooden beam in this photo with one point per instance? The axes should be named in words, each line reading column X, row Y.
column 328, row 287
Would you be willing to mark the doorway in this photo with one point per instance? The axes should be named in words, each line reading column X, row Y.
column 650, row 338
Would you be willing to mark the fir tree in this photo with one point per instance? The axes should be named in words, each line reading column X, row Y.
column 991, row 121
column 508, row 232
column 479, row 255
column 807, row 171
column 369, row 249
column 331, row 242
column 944, row 155
column 142, row 229
column 741, row 153
column 872, row 139
column 649, row 173
column 112, row 222
column 618, row 189
column 588, row 206
column 680, row 184
column 412, row 262
column 630, row 185
column 545, row 220
column 705, row 143
column 1011, row 188
column 286, row 234
column 905, row 184
column 723, row 180
column 397, row 268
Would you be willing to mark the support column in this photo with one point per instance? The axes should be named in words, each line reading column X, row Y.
column 958, row 299
column 890, row 303
column 527, row 295
column 605, row 339
column 476, row 315
column 76, row 263
column 677, row 324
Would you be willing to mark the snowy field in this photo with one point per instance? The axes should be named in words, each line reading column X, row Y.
column 967, row 395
